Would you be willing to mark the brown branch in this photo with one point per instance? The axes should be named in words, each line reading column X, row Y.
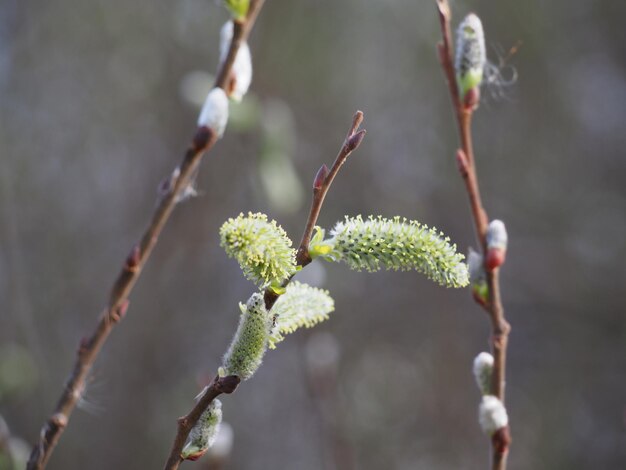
column 465, row 160
column 321, row 185
column 89, row 348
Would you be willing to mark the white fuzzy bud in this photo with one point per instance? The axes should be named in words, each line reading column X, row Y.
column 475, row 266
column 492, row 415
column 214, row 114
column 242, row 67
column 483, row 368
column 496, row 235
column 471, row 55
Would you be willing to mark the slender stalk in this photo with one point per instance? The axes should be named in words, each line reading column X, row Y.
column 321, row 185
column 465, row 158
column 90, row 347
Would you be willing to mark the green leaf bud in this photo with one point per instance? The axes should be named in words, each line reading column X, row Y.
column 237, row 8
column 471, row 55
column 261, row 248
column 397, row 244
column 204, row 432
column 300, row 306
column 246, row 350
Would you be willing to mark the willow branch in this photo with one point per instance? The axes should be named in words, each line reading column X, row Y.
column 90, row 347
column 321, row 185
column 465, row 160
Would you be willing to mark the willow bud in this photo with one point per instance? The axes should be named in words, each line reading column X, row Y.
column 497, row 240
column 471, row 55
column 242, row 67
column 214, row 113
column 204, row 432
column 483, row 369
column 492, row 414
column 237, row 8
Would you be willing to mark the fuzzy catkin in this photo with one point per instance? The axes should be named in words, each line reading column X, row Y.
column 246, row 350
column 203, row 434
column 397, row 244
column 471, row 55
column 261, row 248
column 300, row 306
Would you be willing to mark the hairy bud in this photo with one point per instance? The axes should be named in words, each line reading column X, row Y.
column 483, row 368
column 492, row 415
column 214, row 113
column 246, row 351
column 242, row 67
column 497, row 240
column 478, row 277
column 300, row 306
column 204, row 432
column 397, row 244
column 471, row 55
column 261, row 248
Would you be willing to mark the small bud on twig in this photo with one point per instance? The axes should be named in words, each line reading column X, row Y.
column 483, row 368
column 478, row 277
column 241, row 73
column 320, row 177
column 462, row 162
column 355, row 140
column 214, row 113
column 497, row 240
column 132, row 260
column 492, row 415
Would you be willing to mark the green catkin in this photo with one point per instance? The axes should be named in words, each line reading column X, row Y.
column 261, row 248
column 246, row 350
column 300, row 306
column 397, row 244
column 203, row 434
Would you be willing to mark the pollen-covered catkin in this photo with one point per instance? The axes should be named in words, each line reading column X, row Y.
column 300, row 306
column 246, row 350
column 261, row 248
column 397, row 244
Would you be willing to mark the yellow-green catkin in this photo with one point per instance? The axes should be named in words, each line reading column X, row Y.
column 397, row 244
column 246, row 350
column 261, row 248
column 300, row 306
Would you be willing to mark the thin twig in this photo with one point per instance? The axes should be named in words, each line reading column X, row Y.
column 90, row 347
column 465, row 159
column 321, row 185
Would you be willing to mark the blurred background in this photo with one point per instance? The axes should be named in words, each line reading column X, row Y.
column 98, row 101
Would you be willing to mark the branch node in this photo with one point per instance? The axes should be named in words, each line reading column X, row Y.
column 227, row 384
column 133, row 259
column 118, row 314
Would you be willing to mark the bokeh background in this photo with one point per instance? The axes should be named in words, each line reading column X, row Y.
column 98, row 101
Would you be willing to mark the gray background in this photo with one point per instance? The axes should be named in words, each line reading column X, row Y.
column 93, row 115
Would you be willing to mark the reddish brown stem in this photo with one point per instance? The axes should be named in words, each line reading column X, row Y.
column 320, row 188
column 89, row 349
column 467, row 167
